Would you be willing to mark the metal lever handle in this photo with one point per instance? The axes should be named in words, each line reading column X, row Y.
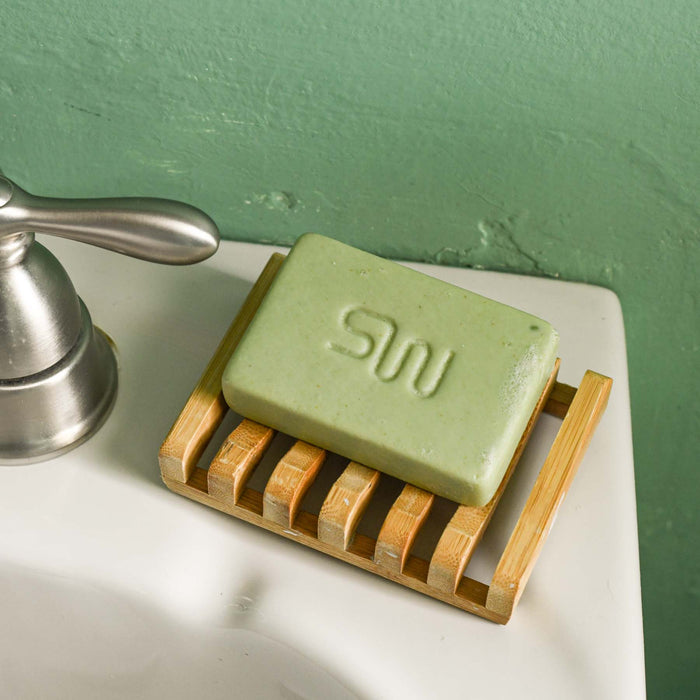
column 158, row 230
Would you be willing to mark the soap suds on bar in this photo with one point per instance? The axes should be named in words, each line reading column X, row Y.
column 391, row 368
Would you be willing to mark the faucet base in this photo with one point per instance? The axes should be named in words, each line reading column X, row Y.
column 51, row 412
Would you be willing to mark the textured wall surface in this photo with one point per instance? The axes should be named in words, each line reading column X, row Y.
column 554, row 139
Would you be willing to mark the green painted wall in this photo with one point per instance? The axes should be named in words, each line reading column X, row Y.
column 556, row 139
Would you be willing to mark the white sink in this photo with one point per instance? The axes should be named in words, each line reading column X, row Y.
column 112, row 586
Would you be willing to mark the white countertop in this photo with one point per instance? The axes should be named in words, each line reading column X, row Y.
column 111, row 586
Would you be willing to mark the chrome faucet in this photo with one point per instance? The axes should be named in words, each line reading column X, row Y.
column 58, row 374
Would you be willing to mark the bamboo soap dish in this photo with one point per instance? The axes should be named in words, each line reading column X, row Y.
column 333, row 528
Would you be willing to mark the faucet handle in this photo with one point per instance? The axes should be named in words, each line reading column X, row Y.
column 157, row 230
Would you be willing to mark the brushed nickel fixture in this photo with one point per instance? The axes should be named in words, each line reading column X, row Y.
column 58, row 374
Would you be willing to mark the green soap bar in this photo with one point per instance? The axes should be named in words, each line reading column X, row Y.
column 392, row 368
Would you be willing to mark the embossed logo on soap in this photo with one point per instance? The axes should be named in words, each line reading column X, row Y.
column 389, row 354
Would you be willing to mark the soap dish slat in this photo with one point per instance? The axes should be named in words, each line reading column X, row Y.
column 333, row 529
column 345, row 504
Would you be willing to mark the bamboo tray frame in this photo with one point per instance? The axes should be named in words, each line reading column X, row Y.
column 332, row 530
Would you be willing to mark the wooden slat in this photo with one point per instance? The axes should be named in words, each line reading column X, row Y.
column 206, row 407
column 456, row 546
column 467, row 526
column 537, row 518
column 290, row 481
column 345, row 503
column 402, row 524
column 470, row 596
column 233, row 464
